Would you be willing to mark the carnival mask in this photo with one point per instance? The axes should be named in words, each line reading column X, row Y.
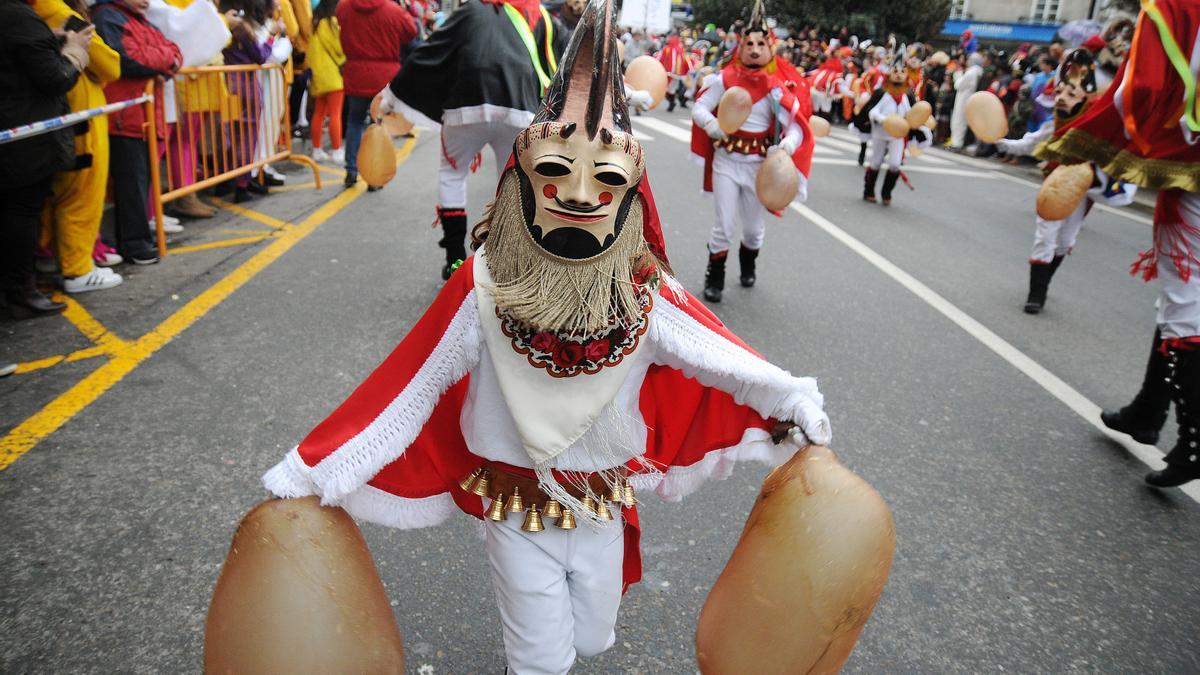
column 579, row 188
column 755, row 50
column 1076, row 85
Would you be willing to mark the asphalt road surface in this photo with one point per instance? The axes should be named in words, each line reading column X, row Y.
column 135, row 435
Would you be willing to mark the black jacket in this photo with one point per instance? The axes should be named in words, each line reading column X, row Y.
column 475, row 58
column 34, row 80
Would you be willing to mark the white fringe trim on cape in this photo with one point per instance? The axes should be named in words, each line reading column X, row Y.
column 385, row 439
column 292, row 478
column 680, row 481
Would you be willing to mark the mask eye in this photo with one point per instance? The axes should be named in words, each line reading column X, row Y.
column 552, row 169
column 611, row 178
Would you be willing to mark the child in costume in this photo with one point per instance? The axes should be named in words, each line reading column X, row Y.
column 893, row 98
column 480, row 76
column 1054, row 239
column 778, row 118
column 559, row 369
column 1145, row 129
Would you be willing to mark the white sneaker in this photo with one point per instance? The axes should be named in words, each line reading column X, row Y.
column 320, row 155
column 170, row 225
column 98, row 279
column 338, row 156
column 271, row 172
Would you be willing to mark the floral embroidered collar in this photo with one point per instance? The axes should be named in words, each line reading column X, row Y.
column 571, row 355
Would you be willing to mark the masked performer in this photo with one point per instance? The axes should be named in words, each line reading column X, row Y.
column 1145, row 129
column 679, row 63
column 557, row 370
column 481, row 77
column 827, row 85
column 893, row 98
column 1074, row 87
column 779, row 117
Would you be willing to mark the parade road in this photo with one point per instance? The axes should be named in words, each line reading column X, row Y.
column 134, row 435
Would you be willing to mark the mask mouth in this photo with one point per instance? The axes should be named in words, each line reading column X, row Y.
column 571, row 243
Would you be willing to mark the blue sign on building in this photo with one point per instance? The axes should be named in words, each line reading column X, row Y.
column 1017, row 32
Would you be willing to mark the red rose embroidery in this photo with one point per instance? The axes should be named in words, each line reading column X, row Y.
column 568, row 354
column 618, row 335
column 597, row 350
column 544, row 342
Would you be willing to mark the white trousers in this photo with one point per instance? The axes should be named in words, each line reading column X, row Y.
column 558, row 591
column 736, row 201
column 1179, row 300
column 886, row 149
column 1054, row 238
column 460, row 144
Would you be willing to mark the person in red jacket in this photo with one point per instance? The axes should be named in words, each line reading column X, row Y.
column 373, row 32
column 145, row 54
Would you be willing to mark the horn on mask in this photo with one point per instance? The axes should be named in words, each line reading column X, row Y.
column 587, row 87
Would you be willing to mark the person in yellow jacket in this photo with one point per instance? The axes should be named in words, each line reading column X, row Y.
column 77, row 202
column 325, row 59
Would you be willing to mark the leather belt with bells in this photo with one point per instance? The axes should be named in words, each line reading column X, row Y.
column 746, row 144
column 514, row 493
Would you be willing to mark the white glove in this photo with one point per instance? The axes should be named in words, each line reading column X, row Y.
column 788, row 146
column 813, row 423
column 713, row 129
column 1005, row 145
column 639, row 99
column 387, row 102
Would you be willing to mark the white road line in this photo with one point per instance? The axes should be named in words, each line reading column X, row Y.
column 686, row 122
column 819, row 149
column 642, row 136
column 844, row 145
column 1090, row 412
column 926, row 157
column 909, row 168
column 663, row 128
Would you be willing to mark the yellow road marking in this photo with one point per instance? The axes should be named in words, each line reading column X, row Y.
column 129, row 355
column 298, row 186
column 88, row 353
column 87, row 324
column 222, row 243
column 252, row 215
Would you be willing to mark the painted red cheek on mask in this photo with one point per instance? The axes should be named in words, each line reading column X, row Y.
column 550, row 192
column 605, row 197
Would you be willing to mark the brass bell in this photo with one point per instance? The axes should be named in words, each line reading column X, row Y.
column 603, row 512
column 516, row 504
column 496, row 512
column 482, row 484
column 469, row 480
column 533, row 521
column 615, row 493
column 630, row 499
column 589, row 503
column 567, row 520
column 552, row 509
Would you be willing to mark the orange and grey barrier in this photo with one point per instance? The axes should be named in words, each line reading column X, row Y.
column 223, row 126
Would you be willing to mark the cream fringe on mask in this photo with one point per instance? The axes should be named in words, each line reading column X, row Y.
column 552, row 294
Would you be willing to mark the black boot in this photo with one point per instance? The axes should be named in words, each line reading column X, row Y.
column 670, row 102
column 862, row 153
column 1183, row 461
column 746, row 259
column 1143, row 418
column 1039, row 283
column 869, row 185
column 714, row 278
column 454, row 235
column 889, row 182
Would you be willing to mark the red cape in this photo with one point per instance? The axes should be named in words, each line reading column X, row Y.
column 796, row 99
column 693, row 428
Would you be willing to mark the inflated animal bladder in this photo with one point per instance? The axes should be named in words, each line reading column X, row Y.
column 777, row 181
column 299, row 593
column 895, row 126
column 376, row 156
column 918, row 114
column 820, row 126
column 395, row 123
column 645, row 73
column 985, row 116
column 802, row 582
column 734, row 109
column 1063, row 190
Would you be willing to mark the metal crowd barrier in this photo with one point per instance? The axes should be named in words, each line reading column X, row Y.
column 224, row 122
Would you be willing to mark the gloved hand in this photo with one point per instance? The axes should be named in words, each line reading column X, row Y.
column 713, row 129
column 387, row 102
column 807, row 412
column 788, row 146
column 639, row 99
column 1005, row 145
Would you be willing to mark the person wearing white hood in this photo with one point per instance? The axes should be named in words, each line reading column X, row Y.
column 965, row 84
